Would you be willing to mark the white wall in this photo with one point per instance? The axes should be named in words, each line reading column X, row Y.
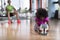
column 56, row 6
column 51, row 8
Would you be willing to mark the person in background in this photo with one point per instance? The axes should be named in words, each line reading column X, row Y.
column 11, row 11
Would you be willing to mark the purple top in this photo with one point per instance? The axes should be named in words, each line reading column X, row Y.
column 39, row 21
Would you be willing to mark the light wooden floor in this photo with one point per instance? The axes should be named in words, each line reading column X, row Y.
column 15, row 31
column 53, row 34
column 25, row 31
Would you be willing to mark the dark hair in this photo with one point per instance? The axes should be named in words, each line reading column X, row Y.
column 9, row 1
column 41, row 13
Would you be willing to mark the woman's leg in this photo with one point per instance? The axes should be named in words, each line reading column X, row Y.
column 8, row 16
column 18, row 20
column 9, row 20
column 16, row 15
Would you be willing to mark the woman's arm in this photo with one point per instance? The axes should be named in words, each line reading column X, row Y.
column 7, row 13
column 48, row 24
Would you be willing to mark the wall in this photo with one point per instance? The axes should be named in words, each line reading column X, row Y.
column 51, row 8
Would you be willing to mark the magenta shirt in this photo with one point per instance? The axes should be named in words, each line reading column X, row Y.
column 39, row 22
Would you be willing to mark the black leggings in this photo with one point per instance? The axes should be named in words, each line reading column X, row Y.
column 11, row 14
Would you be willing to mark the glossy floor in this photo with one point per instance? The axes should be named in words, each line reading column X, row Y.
column 25, row 31
column 15, row 31
column 53, row 34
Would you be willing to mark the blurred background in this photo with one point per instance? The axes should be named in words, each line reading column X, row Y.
column 23, row 6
